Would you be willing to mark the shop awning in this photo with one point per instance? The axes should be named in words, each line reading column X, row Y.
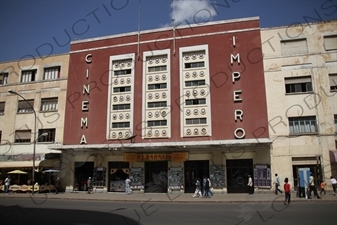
column 18, row 164
column 333, row 155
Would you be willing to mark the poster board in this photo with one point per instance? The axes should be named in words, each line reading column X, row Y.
column 262, row 176
column 176, row 178
column 99, row 177
column 137, row 178
column 217, row 176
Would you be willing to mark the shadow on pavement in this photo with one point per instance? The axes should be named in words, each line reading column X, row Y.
column 17, row 215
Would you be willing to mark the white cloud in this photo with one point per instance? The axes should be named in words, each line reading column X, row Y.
column 193, row 11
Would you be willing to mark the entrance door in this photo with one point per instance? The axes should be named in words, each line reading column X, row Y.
column 237, row 175
column 83, row 170
column 118, row 172
column 195, row 169
column 156, row 177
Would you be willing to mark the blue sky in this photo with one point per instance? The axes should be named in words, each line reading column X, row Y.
column 32, row 27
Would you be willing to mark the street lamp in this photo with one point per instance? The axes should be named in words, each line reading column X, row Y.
column 35, row 139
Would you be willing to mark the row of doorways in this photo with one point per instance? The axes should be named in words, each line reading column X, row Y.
column 156, row 175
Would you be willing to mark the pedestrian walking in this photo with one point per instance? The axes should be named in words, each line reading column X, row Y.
column 277, row 184
column 286, row 188
column 197, row 192
column 312, row 187
column 57, row 185
column 210, row 187
column 89, row 185
column 7, row 184
column 127, row 186
column 334, row 185
column 322, row 188
column 250, row 185
column 206, row 189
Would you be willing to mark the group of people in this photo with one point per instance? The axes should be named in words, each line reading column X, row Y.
column 311, row 187
column 205, row 191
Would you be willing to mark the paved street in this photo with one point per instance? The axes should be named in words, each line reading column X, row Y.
column 83, row 212
column 153, row 209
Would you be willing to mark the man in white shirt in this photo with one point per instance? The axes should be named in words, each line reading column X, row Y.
column 7, row 183
column 334, row 185
column 127, row 186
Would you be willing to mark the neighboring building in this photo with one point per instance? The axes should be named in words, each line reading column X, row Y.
column 300, row 67
column 166, row 106
column 42, row 82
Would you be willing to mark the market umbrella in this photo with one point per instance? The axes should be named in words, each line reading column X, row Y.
column 17, row 172
column 51, row 171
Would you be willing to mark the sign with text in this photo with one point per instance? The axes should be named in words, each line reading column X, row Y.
column 174, row 156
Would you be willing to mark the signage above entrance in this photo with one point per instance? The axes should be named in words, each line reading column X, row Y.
column 174, row 156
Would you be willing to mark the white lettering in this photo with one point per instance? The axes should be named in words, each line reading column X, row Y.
column 86, row 89
column 83, row 140
column 87, row 58
column 239, row 133
column 235, row 76
column 85, row 105
column 84, row 121
column 233, row 41
column 236, row 95
column 235, row 58
column 238, row 114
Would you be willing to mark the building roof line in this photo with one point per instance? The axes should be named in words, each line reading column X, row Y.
column 165, row 29
column 183, row 144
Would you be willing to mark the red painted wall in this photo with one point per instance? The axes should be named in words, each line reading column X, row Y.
column 248, row 45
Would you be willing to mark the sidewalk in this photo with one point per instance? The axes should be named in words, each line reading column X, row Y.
column 174, row 198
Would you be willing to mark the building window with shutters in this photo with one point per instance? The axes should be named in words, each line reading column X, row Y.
column 51, row 73
column 25, row 106
column 2, row 108
column 49, row 104
column 302, row 125
column 297, row 46
column 28, row 76
column 333, row 82
column 47, row 138
column 298, row 85
column 330, row 42
column 22, row 136
column 3, row 78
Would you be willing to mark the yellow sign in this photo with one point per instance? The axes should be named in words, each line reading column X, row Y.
column 174, row 156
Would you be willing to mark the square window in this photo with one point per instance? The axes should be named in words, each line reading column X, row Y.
column 51, row 73
column 49, row 104
column 28, row 76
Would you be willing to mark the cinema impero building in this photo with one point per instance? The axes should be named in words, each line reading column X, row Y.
column 167, row 106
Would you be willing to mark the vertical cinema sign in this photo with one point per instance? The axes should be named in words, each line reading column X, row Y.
column 238, row 113
column 85, row 103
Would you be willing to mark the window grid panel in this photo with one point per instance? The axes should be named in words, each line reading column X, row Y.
column 51, row 73
column 49, row 104
column 49, row 138
column 121, row 107
column 28, row 76
column 156, row 104
column 22, row 136
column 3, row 78
column 302, row 125
column 121, row 125
column 156, row 123
column 24, row 107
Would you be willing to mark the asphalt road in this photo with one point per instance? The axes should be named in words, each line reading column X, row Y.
column 74, row 212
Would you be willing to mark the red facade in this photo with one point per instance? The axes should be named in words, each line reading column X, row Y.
column 218, row 37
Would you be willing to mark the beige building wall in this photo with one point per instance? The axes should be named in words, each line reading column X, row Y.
column 42, row 87
column 307, row 50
